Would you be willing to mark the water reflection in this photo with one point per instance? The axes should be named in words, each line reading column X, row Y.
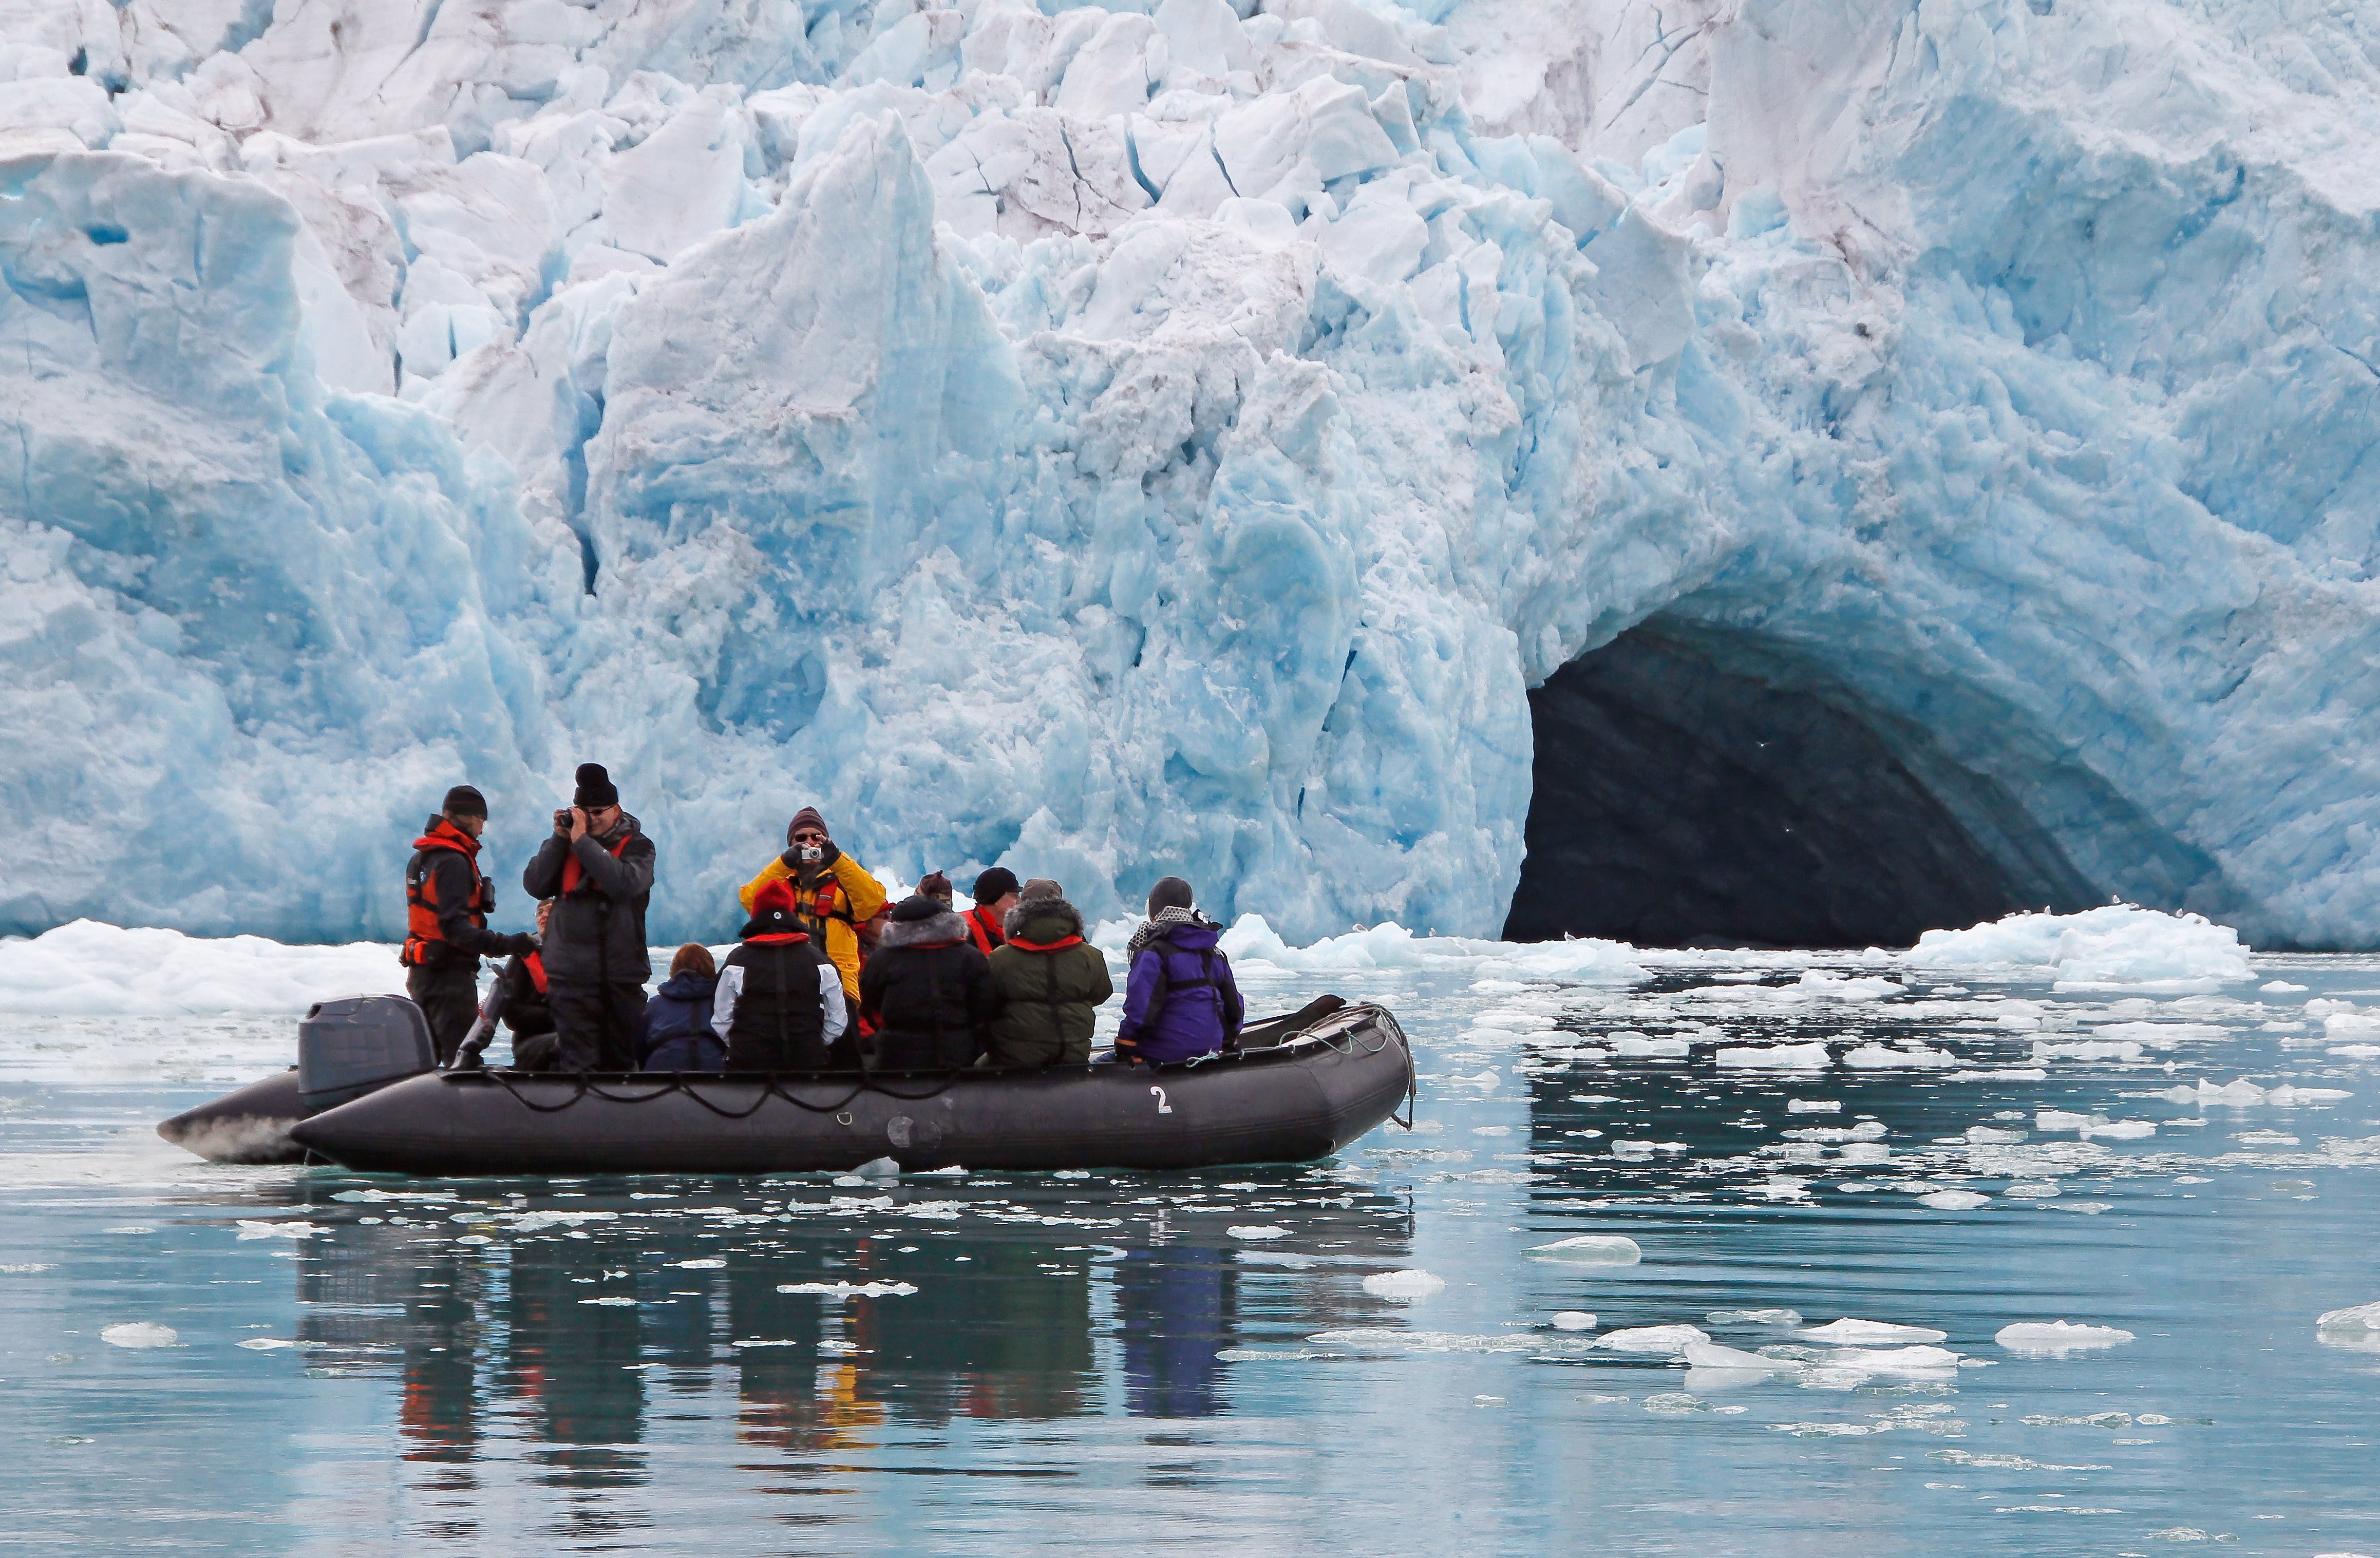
column 990, row 1306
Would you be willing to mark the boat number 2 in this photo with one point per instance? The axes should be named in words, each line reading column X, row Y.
column 1162, row 1107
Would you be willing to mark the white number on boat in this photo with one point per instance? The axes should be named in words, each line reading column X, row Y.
column 1162, row 1107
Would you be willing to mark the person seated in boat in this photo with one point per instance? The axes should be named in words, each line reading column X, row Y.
column 527, row 1011
column 927, row 990
column 1050, row 981
column 678, row 1035
column 778, row 1005
column 995, row 895
column 936, row 885
column 833, row 899
column 1180, row 1001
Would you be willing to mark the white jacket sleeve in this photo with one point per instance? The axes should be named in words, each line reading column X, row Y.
column 830, row 1003
column 722, row 1000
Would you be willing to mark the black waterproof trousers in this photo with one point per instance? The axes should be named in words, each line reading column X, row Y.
column 449, row 997
column 596, row 1026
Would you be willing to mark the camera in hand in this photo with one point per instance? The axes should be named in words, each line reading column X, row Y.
column 562, row 820
column 813, row 854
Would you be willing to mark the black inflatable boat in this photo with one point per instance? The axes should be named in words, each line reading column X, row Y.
column 1304, row 1087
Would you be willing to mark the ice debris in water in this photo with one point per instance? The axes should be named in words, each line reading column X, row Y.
column 851, row 1289
column 2240, row 1092
column 1711, row 1355
column 1572, row 1320
column 2356, row 1329
column 1895, row 1360
column 879, row 1168
column 1258, row 1230
column 1907, row 1056
column 1953, row 1200
column 140, row 1333
column 1755, row 1317
column 701, row 1263
column 264, row 1344
column 1813, row 1106
column 1603, row 1249
column 1406, row 1286
column 2058, row 1336
column 1671, row 1339
column 252, row 1228
column 2114, row 945
column 1863, row 1333
column 1810, row 1057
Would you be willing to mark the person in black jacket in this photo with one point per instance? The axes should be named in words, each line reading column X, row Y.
column 927, row 990
column 598, row 867
column 779, row 1003
column 526, row 1010
column 446, row 907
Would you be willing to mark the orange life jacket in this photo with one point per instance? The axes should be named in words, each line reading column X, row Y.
column 983, row 930
column 571, row 871
column 535, row 963
column 421, row 890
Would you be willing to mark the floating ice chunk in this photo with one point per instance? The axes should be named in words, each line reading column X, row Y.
column 2120, row 1130
column 1484, row 1081
column 529, row 1222
column 1572, row 1320
column 1637, row 1045
column 140, row 1333
column 1599, row 1250
column 26, row 1268
column 2280, row 987
column 2058, row 1336
column 1813, row 1106
column 879, row 1168
column 2008, row 1074
column 1406, row 1286
column 1671, row 1339
column 1865, row 1152
column 763, row 1342
column 1387, row 1340
column 1984, row 1133
column 1896, row 1361
column 264, row 1344
column 1811, row 1057
column 2356, row 1052
column 1883, row 1057
column 2265, row 1139
column 1953, row 1200
column 2033, row 1189
column 851, row 1289
column 1755, row 1317
column 2061, row 1119
column 1711, row 1355
column 251, row 1229
column 2089, row 1049
column 2117, row 944
column 701, row 1263
column 2363, row 1317
column 611, row 1300
column 1865, row 1333
column 1258, row 1230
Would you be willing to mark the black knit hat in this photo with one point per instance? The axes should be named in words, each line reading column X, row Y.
column 595, row 788
column 994, row 885
column 917, row 906
column 1171, row 892
column 464, row 802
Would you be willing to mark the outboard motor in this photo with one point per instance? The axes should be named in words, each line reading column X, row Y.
column 349, row 1046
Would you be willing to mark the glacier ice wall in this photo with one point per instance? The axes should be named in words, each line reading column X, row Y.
column 1118, row 440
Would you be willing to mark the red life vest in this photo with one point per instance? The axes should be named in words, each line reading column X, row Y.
column 421, row 890
column 983, row 928
column 535, row 963
column 571, row 871
column 1057, row 945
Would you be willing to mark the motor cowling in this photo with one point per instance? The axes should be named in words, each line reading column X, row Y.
column 348, row 1047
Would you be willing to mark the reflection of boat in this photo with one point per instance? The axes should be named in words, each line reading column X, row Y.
column 1305, row 1086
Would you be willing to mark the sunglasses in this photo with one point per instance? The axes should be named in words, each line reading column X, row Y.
column 807, row 836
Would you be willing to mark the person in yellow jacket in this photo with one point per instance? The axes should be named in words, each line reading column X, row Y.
column 832, row 895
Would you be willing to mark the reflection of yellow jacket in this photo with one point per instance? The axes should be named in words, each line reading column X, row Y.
column 833, row 908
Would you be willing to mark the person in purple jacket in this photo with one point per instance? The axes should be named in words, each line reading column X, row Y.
column 1179, row 1000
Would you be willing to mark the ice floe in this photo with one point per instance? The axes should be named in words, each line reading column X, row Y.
column 2058, row 1336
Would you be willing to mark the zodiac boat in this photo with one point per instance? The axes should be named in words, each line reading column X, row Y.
column 364, row 1095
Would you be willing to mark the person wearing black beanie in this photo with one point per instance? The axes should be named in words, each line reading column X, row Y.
column 995, row 894
column 446, row 908
column 598, row 867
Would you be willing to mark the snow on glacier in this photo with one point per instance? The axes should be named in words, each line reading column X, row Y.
column 1118, row 440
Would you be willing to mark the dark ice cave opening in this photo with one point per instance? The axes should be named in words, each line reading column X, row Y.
column 1697, row 787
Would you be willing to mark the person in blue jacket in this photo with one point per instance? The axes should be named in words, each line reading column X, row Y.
column 677, row 1018
column 1179, row 1000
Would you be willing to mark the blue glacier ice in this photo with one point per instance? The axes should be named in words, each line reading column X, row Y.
column 1114, row 440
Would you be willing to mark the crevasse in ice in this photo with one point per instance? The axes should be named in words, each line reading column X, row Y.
column 1120, row 440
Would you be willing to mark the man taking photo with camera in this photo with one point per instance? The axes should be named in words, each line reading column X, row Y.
column 598, row 867
column 833, row 897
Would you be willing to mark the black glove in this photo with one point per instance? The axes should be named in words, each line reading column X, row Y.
column 521, row 945
column 828, row 854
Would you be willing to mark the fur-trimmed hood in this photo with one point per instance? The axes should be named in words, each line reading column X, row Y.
column 944, row 926
column 1068, row 920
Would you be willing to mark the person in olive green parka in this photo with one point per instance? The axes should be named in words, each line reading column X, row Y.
column 1050, row 981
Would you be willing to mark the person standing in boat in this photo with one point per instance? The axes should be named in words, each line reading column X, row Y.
column 446, row 908
column 1050, row 981
column 598, row 867
column 1180, row 1001
column 832, row 897
column 778, row 1005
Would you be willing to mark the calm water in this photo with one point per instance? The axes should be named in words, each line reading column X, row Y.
column 369, row 1365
